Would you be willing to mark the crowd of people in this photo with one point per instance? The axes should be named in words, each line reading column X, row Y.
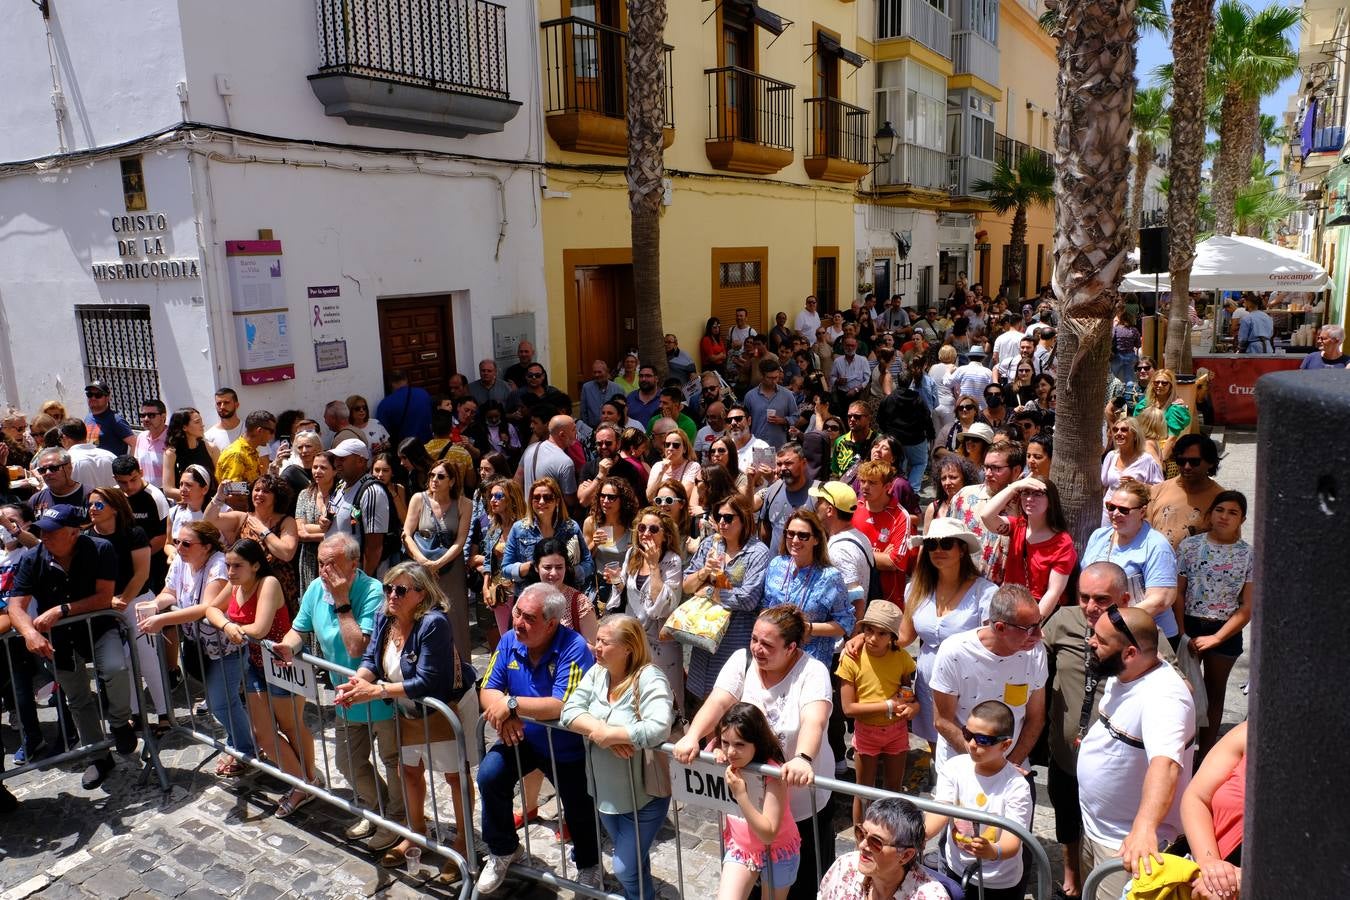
column 776, row 482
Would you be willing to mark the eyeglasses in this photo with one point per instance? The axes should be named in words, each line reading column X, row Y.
column 153, row 414
column 497, row 495
column 872, row 843
column 724, row 518
column 991, row 467
column 1118, row 622
column 984, row 740
column 534, row 374
column 180, row 543
column 43, row 470
column 855, row 416
column 437, row 476
column 674, row 445
column 717, row 451
column 542, row 498
column 1186, row 462
column 97, row 505
column 649, row 529
column 609, row 498
column 834, row 426
column 967, row 407
column 666, row 501
column 1122, row 510
column 798, row 535
column 948, row 543
column 95, row 394
column 1162, row 382
column 1143, row 368
column 397, row 590
column 1025, row 629
column 360, row 409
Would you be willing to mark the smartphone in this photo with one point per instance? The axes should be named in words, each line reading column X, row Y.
column 236, row 487
column 762, row 456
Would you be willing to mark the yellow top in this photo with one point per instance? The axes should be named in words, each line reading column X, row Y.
column 876, row 678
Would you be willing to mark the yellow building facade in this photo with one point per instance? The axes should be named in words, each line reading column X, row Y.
column 766, row 139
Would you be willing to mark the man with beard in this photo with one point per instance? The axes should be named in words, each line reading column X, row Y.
column 1135, row 760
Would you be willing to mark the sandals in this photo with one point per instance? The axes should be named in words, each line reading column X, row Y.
column 393, row 858
column 229, row 767
column 288, row 806
column 531, row 816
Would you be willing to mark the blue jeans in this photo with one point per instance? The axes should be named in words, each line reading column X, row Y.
column 498, row 775
column 223, row 679
column 633, row 839
column 1122, row 366
column 916, row 463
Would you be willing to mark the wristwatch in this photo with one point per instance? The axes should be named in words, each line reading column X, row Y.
column 343, row 609
column 806, row 757
column 65, row 610
column 512, row 705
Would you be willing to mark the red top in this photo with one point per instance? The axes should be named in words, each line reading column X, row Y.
column 888, row 532
column 1055, row 555
column 707, row 348
column 245, row 613
column 1227, row 805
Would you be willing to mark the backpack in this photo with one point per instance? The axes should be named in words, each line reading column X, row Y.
column 393, row 535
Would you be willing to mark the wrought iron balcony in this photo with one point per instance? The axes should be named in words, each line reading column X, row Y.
column 1326, row 132
column 972, row 54
column 837, row 140
column 424, row 66
column 586, row 90
column 749, row 121
column 918, row 20
column 1010, row 152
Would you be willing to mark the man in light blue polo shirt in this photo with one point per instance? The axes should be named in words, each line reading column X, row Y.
column 534, row 669
column 339, row 609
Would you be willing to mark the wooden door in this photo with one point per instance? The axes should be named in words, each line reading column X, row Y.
column 605, row 318
column 417, row 337
column 826, row 126
column 736, row 93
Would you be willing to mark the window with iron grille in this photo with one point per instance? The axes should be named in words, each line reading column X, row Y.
column 119, row 348
column 738, row 274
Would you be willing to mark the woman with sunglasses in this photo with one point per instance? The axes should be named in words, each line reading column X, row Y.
column 712, row 487
column 435, row 534
column 607, row 533
column 947, row 595
column 652, row 580
column 1041, row 554
column 269, row 521
column 887, row 861
column 505, row 505
column 729, row 568
column 712, row 351
column 672, row 500
column 544, row 517
column 1144, row 553
column 1127, row 461
column 197, row 581
column 111, row 518
column 967, row 414
column 185, row 444
column 1162, row 394
column 411, row 655
column 361, row 420
column 802, row 576
column 192, row 487
column 677, row 464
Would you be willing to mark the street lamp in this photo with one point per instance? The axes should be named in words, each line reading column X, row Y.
column 883, row 145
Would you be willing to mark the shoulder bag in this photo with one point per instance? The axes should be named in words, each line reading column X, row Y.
column 655, row 766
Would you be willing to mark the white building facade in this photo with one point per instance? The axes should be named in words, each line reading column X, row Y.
column 290, row 199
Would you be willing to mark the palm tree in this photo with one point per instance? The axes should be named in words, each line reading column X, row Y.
column 1151, row 15
column 1261, row 205
column 1092, row 235
column 1269, row 133
column 646, row 117
column 1151, row 126
column 1249, row 56
column 1192, row 23
column 1030, row 183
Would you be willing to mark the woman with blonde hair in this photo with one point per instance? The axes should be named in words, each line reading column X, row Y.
column 677, row 464
column 1162, row 394
column 1127, row 461
column 622, row 706
column 505, row 505
column 1153, row 426
column 652, row 587
column 411, row 655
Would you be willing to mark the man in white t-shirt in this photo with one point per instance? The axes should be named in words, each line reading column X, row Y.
column 850, row 550
column 227, row 430
column 1004, row 660
column 1007, row 344
column 1135, row 760
column 363, row 509
column 740, row 331
column 808, row 320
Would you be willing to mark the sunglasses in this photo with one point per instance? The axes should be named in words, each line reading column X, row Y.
column 674, row 445
column 649, row 529
column 43, row 470
column 834, row 427
column 854, row 417
column 609, row 498
column 397, row 590
column 798, row 535
column 948, row 543
column 724, row 518
column 151, row 415
column 967, row 407
column 180, row 543
column 95, row 394
column 666, row 501
column 984, row 740
column 360, row 409
column 1186, row 462
column 870, row 842
column 534, row 374
column 97, row 505
column 1123, row 510
column 437, row 476
column 1118, row 622
column 735, row 418
column 542, row 498
column 1162, row 382
column 1143, row 368
column 497, row 496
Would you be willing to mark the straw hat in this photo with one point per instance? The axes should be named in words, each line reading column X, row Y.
column 980, row 431
column 953, row 528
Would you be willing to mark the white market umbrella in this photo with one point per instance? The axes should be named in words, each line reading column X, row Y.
column 1240, row 264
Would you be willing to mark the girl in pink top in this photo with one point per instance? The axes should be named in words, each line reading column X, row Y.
column 764, row 836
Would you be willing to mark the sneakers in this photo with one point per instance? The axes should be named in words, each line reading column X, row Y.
column 592, row 877
column 124, row 739
column 361, row 828
column 495, row 868
column 97, row 773
column 383, row 840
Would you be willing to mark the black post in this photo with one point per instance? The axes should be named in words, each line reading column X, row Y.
column 1298, row 786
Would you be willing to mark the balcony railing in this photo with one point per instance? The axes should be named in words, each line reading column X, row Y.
column 917, row 19
column 1010, row 152
column 585, row 86
column 915, row 166
column 837, row 140
column 1328, row 127
column 973, row 54
column 455, row 45
column 964, row 171
column 749, row 121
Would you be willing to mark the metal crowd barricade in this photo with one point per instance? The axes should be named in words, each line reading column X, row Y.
column 21, row 668
column 208, row 733
column 1043, row 881
column 1094, row 880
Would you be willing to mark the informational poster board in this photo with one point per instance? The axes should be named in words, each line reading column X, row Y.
column 326, row 327
column 259, row 309
column 507, row 333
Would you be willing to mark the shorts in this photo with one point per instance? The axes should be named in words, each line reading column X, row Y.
column 256, row 683
column 881, row 740
column 1198, row 627
column 782, row 872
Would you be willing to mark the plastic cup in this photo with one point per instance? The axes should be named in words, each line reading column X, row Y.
column 614, row 573
column 145, row 609
column 413, row 858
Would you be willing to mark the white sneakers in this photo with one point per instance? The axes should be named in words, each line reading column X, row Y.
column 495, row 868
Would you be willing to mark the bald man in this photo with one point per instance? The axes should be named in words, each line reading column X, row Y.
column 548, row 458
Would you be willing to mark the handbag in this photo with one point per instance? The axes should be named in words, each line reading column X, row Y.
column 498, row 591
column 430, row 726
column 699, row 622
column 655, row 765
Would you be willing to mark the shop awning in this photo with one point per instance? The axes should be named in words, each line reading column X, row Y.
column 1240, row 264
column 769, row 21
column 829, row 45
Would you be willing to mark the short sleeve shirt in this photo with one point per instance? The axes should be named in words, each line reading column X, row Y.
column 547, row 460
column 875, row 678
column 40, row 576
column 1215, row 576
column 966, row 669
column 1005, row 793
column 557, row 674
column 318, row 616
column 109, row 430
column 374, row 512
column 1031, row 563
column 1148, row 561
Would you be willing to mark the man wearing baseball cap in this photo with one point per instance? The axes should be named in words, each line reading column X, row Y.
column 70, row 574
column 106, row 426
column 363, row 508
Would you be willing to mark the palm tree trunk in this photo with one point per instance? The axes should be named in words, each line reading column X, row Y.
column 1092, row 130
column 1234, row 167
column 1192, row 24
column 646, row 115
column 1143, row 160
column 1017, row 254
